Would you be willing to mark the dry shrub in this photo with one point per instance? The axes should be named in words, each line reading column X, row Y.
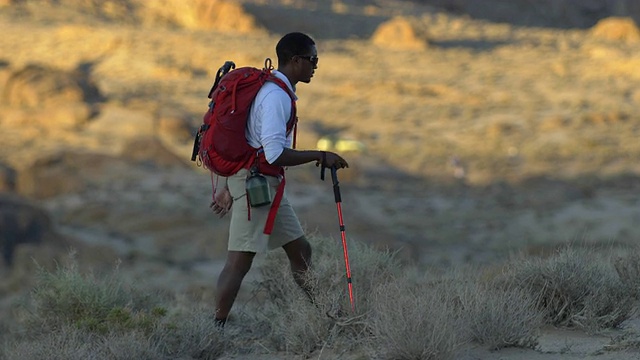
column 628, row 268
column 76, row 316
column 617, row 28
column 68, row 343
column 189, row 334
column 398, row 33
column 575, row 288
column 299, row 326
column 411, row 321
column 499, row 317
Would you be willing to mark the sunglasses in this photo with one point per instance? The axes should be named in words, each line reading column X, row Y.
column 312, row 59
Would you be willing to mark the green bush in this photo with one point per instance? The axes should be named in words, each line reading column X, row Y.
column 67, row 297
column 76, row 316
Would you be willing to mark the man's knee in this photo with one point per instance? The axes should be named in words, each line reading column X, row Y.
column 239, row 261
column 305, row 248
column 299, row 250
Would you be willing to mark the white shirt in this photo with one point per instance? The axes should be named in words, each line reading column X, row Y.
column 268, row 117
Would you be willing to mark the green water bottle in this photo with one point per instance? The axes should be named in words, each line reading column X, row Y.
column 258, row 189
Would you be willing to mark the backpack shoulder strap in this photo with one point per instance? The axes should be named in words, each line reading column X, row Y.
column 274, row 79
column 294, row 119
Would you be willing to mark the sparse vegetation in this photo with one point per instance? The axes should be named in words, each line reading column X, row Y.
column 402, row 312
column 576, row 287
column 499, row 317
column 72, row 315
column 415, row 322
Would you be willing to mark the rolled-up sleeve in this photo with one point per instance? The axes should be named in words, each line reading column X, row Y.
column 274, row 110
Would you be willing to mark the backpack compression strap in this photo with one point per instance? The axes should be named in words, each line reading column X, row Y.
column 275, row 204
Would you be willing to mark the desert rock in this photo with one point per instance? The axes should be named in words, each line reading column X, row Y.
column 21, row 222
column 398, row 33
column 617, row 28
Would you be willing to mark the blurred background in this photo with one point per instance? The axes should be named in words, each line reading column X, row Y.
column 476, row 129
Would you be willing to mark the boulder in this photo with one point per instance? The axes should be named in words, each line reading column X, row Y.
column 21, row 223
column 57, row 174
column 199, row 14
column 48, row 98
column 30, row 241
column 121, row 123
column 151, row 151
column 69, row 172
column 8, row 177
column 73, row 172
column 37, row 86
column 174, row 126
column 617, row 28
column 398, row 34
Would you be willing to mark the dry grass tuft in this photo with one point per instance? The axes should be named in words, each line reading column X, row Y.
column 415, row 322
column 301, row 327
column 575, row 288
column 628, row 269
column 499, row 317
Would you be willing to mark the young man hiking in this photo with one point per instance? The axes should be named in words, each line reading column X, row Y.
column 269, row 129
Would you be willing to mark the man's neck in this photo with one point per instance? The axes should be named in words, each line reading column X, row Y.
column 286, row 73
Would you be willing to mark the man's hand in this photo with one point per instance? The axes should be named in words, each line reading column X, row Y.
column 331, row 159
column 222, row 202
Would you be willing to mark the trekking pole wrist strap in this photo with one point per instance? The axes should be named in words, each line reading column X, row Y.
column 323, row 165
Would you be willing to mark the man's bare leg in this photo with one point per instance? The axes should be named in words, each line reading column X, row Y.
column 299, row 254
column 237, row 266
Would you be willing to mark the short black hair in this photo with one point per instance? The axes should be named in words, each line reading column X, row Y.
column 295, row 43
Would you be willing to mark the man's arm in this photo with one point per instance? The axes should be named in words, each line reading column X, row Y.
column 291, row 157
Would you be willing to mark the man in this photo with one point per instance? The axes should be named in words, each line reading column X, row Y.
column 267, row 128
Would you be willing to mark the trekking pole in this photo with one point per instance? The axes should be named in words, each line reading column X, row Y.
column 336, row 193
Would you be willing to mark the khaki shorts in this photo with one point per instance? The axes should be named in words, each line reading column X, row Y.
column 248, row 235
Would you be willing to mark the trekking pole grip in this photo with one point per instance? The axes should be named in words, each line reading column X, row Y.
column 336, row 186
column 322, row 166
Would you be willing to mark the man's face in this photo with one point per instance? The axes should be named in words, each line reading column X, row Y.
column 306, row 64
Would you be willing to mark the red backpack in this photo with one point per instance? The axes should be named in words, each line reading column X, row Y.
column 220, row 144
